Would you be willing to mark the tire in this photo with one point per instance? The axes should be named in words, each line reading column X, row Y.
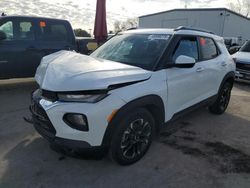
column 133, row 138
column 222, row 101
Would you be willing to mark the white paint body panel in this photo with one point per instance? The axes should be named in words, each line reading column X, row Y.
column 96, row 113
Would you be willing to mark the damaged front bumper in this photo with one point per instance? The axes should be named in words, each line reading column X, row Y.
column 44, row 127
column 48, row 118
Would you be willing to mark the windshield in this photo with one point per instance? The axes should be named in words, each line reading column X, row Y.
column 245, row 47
column 141, row 50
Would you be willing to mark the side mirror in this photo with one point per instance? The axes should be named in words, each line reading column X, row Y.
column 2, row 35
column 184, row 61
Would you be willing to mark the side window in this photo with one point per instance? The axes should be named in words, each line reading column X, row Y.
column 25, row 31
column 7, row 28
column 50, row 31
column 187, row 47
column 208, row 48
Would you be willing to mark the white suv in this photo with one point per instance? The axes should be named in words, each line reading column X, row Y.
column 120, row 96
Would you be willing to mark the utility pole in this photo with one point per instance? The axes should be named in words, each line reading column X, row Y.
column 186, row 4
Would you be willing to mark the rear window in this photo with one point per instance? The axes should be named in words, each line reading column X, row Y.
column 208, row 48
column 246, row 47
column 50, row 31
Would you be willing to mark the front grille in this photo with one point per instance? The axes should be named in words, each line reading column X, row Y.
column 40, row 117
column 243, row 66
column 49, row 95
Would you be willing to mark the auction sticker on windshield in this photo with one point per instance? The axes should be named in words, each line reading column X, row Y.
column 158, row 37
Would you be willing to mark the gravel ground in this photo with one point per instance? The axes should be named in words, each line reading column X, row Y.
column 198, row 150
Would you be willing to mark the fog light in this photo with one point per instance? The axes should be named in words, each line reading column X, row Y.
column 76, row 121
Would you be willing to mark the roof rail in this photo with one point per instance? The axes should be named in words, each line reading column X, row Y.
column 192, row 29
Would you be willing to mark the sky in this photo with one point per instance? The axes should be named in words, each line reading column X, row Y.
column 81, row 13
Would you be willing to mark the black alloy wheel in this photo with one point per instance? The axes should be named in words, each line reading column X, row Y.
column 136, row 138
column 133, row 137
column 223, row 99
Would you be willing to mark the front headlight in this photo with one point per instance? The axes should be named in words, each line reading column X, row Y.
column 81, row 98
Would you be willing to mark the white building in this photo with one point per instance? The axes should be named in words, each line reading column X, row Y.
column 221, row 21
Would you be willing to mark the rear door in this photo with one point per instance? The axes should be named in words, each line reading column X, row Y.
column 212, row 63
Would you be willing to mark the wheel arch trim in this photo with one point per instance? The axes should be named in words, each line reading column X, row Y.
column 153, row 103
column 229, row 76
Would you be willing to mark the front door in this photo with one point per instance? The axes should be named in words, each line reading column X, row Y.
column 184, row 84
column 18, row 50
column 6, row 48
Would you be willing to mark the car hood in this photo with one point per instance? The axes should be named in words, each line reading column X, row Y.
column 70, row 71
column 242, row 56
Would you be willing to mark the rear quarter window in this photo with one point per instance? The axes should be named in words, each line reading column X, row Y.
column 208, row 48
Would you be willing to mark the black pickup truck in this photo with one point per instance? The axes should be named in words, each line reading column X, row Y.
column 25, row 40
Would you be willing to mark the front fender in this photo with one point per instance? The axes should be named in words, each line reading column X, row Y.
column 152, row 103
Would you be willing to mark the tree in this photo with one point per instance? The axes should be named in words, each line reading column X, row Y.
column 81, row 33
column 125, row 25
column 117, row 26
column 241, row 6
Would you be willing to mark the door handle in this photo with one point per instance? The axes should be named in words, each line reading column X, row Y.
column 200, row 69
column 224, row 64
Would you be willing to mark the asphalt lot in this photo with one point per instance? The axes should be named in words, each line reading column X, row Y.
column 200, row 150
